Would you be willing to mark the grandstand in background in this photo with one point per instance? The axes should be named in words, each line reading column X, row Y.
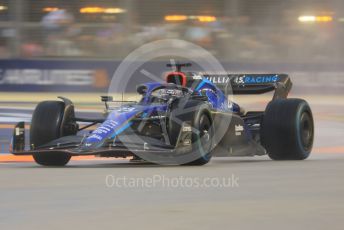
column 306, row 31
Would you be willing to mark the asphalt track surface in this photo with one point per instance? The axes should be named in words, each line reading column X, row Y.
column 264, row 194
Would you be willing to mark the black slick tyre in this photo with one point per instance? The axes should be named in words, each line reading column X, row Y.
column 45, row 127
column 287, row 131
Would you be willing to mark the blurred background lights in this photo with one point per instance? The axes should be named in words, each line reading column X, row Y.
column 312, row 18
column 201, row 18
column 50, row 9
column 98, row 10
column 3, row 8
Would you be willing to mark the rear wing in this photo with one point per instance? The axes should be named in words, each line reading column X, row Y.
column 252, row 83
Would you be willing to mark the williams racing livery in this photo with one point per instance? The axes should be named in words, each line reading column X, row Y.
column 185, row 121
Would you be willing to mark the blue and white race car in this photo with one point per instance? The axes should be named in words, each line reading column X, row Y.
column 184, row 121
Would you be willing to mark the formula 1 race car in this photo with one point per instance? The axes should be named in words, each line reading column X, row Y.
column 184, row 121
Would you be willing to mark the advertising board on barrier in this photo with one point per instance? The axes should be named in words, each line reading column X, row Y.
column 96, row 78
column 48, row 75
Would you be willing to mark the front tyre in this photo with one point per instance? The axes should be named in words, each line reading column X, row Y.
column 198, row 115
column 45, row 127
column 287, row 130
column 203, row 140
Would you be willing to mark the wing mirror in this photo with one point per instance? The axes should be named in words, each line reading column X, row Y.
column 141, row 89
column 106, row 99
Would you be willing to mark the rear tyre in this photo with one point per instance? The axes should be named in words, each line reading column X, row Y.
column 45, row 127
column 288, row 129
column 198, row 114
